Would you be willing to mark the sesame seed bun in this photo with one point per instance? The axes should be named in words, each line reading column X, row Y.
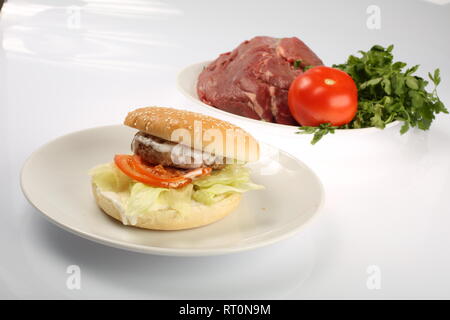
column 196, row 131
column 171, row 219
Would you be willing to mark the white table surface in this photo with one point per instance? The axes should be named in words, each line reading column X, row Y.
column 70, row 65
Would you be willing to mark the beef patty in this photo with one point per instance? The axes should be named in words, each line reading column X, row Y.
column 154, row 151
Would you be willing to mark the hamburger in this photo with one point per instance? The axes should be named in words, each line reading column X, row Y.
column 186, row 170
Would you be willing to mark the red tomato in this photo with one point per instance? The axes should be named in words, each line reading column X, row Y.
column 168, row 174
column 323, row 95
column 157, row 176
column 157, row 172
column 128, row 166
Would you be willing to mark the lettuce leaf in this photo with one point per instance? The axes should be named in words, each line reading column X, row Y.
column 109, row 178
column 144, row 199
column 139, row 198
column 228, row 175
column 231, row 179
column 180, row 199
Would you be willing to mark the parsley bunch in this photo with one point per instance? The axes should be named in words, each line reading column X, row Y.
column 386, row 93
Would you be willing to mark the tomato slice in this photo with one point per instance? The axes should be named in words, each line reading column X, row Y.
column 127, row 165
column 157, row 176
column 168, row 173
column 158, row 172
column 199, row 172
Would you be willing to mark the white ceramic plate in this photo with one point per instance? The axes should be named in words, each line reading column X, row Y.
column 187, row 85
column 55, row 180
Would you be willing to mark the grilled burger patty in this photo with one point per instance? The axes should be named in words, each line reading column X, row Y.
column 154, row 151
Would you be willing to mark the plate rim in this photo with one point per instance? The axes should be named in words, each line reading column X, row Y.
column 161, row 250
column 286, row 127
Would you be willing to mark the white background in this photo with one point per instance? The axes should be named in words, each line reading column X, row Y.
column 70, row 65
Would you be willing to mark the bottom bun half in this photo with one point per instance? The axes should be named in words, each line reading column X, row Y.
column 170, row 219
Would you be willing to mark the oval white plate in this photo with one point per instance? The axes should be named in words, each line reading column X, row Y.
column 187, row 84
column 55, row 180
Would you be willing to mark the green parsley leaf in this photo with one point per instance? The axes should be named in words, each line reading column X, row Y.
column 318, row 132
column 297, row 64
column 437, row 77
column 412, row 83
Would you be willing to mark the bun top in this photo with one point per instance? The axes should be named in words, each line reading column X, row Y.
column 195, row 130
